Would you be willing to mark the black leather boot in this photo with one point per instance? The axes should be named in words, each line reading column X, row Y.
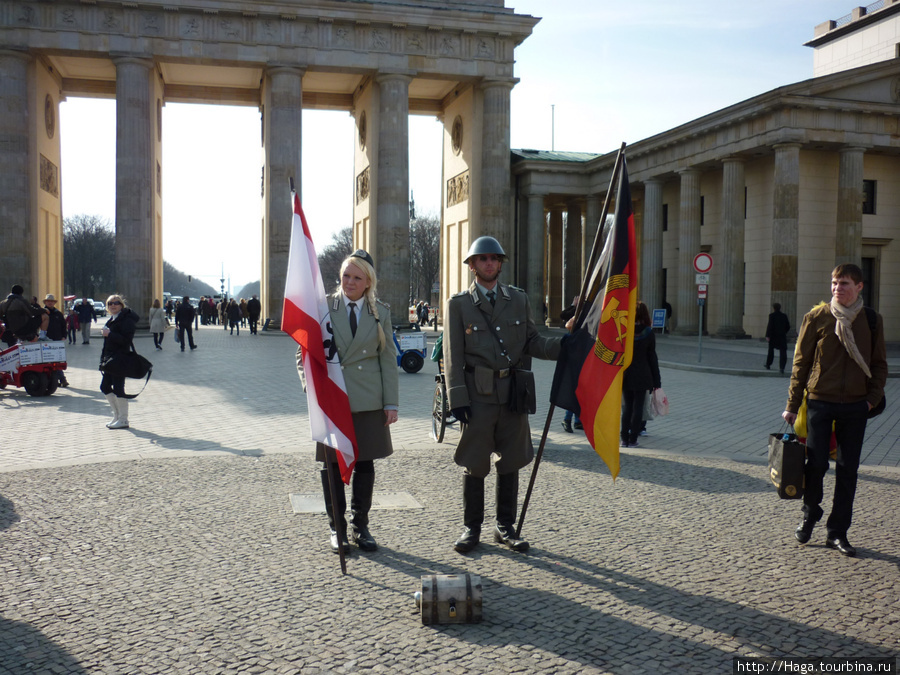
column 507, row 499
column 360, row 502
column 473, row 513
column 339, row 524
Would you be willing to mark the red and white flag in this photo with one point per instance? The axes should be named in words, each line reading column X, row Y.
column 306, row 319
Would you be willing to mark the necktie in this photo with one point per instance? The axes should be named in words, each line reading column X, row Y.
column 492, row 297
column 352, row 307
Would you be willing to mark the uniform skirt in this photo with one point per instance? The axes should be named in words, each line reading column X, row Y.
column 372, row 437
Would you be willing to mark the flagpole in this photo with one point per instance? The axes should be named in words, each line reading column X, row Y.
column 597, row 247
column 334, row 508
column 579, row 310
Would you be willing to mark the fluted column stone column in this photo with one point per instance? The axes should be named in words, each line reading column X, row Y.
column 686, row 310
column 650, row 291
column 135, row 177
column 555, row 264
column 848, row 237
column 496, row 219
column 572, row 248
column 593, row 207
column 284, row 117
column 785, row 229
column 15, row 187
column 731, row 259
column 392, row 208
column 534, row 272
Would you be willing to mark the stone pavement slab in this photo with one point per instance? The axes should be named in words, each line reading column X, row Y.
column 172, row 547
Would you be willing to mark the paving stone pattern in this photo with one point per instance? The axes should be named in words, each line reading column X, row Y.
column 172, row 547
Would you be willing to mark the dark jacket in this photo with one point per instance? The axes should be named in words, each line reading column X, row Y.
column 56, row 328
column 643, row 373
column 254, row 308
column 823, row 366
column 777, row 329
column 85, row 312
column 121, row 333
column 20, row 317
column 184, row 315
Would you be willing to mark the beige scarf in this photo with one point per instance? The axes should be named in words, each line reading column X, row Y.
column 844, row 317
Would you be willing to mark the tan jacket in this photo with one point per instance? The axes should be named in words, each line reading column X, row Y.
column 823, row 366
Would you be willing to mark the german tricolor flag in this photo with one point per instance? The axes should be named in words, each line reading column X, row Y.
column 602, row 343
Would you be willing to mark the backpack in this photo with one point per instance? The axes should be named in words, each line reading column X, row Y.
column 872, row 318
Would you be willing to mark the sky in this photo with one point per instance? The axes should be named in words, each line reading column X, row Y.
column 594, row 74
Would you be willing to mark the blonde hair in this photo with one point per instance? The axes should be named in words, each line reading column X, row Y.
column 369, row 295
column 116, row 296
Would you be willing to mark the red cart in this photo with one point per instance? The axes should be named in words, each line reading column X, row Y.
column 33, row 366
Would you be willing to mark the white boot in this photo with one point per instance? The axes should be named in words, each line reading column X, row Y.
column 113, row 403
column 122, row 422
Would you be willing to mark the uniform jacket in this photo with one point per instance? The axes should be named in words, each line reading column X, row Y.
column 469, row 344
column 825, row 369
column 370, row 376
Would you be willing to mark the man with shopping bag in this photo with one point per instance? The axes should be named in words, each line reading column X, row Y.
column 840, row 361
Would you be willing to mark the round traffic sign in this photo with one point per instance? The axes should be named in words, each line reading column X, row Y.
column 703, row 262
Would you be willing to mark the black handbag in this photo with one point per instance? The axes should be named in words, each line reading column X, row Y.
column 787, row 458
column 128, row 364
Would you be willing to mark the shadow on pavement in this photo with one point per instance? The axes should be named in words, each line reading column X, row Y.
column 8, row 514
column 661, row 471
column 178, row 443
column 26, row 650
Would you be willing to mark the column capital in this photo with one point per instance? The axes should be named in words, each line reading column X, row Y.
column 787, row 146
column 495, row 82
column 22, row 54
column 273, row 68
column 854, row 148
column 654, row 181
column 382, row 77
column 733, row 159
column 132, row 59
column 689, row 171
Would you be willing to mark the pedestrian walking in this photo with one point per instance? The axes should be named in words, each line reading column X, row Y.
column 640, row 376
column 776, row 335
column 184, row 322
column 158, row 322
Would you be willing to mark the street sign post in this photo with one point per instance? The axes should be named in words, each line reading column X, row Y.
column 703, row 263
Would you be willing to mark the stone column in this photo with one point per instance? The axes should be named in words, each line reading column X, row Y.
column 15, row 188
column 135, row 178
column 848, row 238
column 731, row 260
column 283, row 111
column 686, row 310
column 496, row 219
column 555, row 265
column 534, row 273
column 650, row 291
column 392, row 194
column 785, row 229
column 592, row 211
column 572, row 248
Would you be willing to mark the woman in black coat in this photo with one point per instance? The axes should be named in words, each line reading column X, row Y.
column 641, row 376
column 117, row 336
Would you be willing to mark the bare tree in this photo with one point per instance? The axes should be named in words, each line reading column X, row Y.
column 89, row 256
column 333, row 255
column 424, row 255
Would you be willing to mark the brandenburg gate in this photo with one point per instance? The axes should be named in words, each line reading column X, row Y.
column 382, row 61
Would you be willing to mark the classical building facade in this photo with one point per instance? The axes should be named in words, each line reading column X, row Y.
column 382, row 61
column 777, row 189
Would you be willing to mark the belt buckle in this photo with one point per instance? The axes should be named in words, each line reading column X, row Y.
column 503, row 373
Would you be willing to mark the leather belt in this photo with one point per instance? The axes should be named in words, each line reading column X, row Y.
column 499, row 374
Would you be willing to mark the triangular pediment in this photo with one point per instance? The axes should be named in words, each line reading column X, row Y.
column 878, row 83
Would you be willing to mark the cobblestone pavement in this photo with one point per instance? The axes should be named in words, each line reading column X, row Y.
column 172, row 547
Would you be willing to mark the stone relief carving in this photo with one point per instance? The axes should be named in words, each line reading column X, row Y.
column 449, row 45
column 49, row 177
column 379, row 41
column 342, row 37
column 415, row 42
column 26, row 15
column 362, row 186
column 305, row 36
column 110, row 20
column 159, row 179
column 268, row 28
column 456, row 135
column 230, row 29
column 458, row 189
column 67, row 16
column 363, row 130
column 151, row 23
column 191, row 27
column 50, row 116
column 485, row 50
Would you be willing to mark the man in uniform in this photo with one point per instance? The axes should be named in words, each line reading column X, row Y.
column 489, row 332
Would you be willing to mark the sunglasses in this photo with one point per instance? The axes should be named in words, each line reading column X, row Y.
column 113, row 302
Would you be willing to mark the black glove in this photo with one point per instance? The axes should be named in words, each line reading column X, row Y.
column 462, row 414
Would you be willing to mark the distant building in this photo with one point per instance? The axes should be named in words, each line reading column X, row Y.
column 777, row 189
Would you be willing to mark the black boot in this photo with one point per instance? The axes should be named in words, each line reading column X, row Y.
column 507, row 499
column 338, row 525
column 360, row 503
column 473, row 513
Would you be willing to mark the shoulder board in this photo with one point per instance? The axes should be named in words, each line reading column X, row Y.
column 516, row 288
column 460, row 294
column 383, row 304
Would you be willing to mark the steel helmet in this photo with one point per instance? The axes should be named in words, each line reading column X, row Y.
column 485, row 246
